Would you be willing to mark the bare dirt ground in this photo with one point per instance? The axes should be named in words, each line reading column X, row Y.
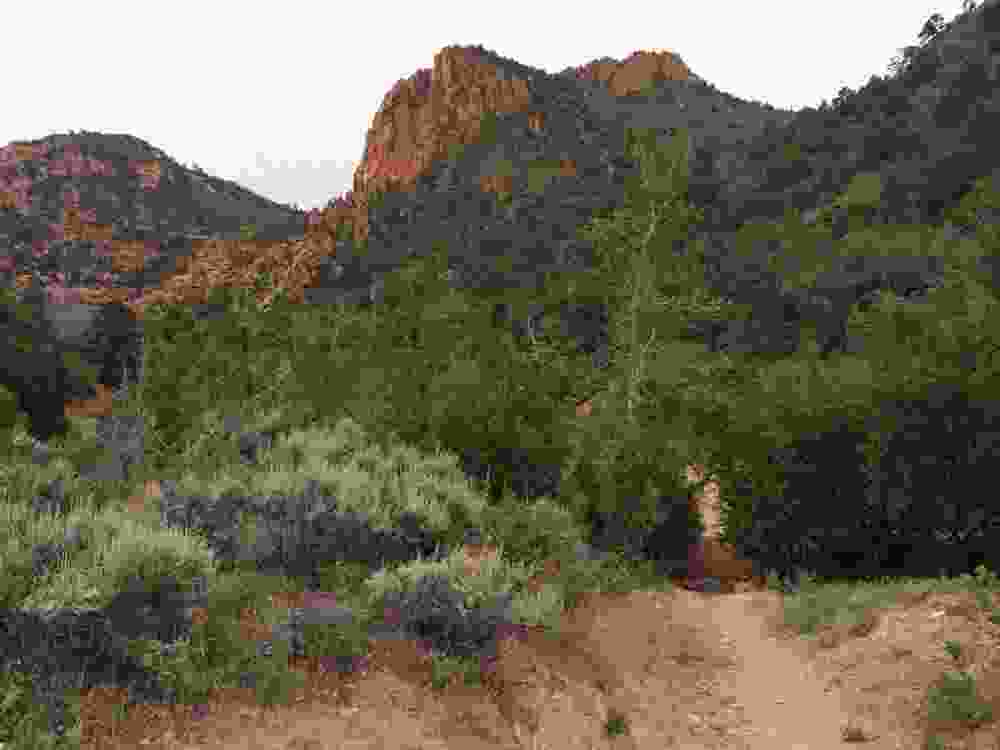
column 673, row 669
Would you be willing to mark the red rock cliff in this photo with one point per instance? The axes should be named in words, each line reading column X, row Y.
column 438, row 108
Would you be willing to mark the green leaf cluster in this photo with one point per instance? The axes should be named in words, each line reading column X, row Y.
column 428, row 364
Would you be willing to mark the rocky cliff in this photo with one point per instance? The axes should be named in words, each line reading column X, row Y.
column 436, row 109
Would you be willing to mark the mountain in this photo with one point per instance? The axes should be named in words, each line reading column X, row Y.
column 86, row 203
column 447, row 141
column 504, row 162
column 572, row 123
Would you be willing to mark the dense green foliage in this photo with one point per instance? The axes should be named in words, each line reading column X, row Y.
column 428, row 366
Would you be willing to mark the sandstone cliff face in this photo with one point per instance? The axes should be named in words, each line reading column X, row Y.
column 437, row 109
column 637, row 71
column 419, row 119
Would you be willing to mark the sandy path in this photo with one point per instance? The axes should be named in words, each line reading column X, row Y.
column 785, row 702
column 686, row 670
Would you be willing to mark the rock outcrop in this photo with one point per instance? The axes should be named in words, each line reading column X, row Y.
column 637, row 72
column 439, row 108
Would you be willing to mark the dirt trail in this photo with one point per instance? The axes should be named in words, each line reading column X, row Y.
column 772, row 680
column 786, row 703
column 683, row 669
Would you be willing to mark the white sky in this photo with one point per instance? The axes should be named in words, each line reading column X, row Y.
column 279, row 96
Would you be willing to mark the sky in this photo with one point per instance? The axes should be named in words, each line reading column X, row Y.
column 279, row 96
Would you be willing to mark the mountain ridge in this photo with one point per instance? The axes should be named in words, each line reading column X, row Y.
column 504, row 163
